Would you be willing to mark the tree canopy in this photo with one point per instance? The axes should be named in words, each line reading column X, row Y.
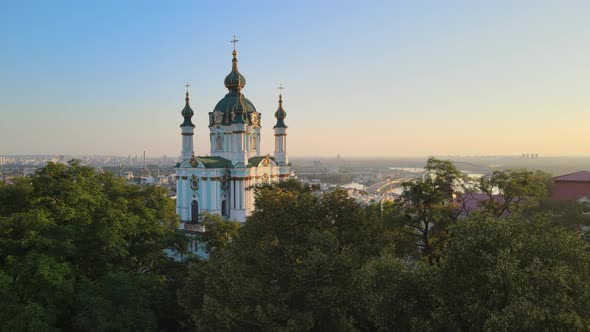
column 309, row 262
column 291, row 267
column 81, row 250
column 85, row 251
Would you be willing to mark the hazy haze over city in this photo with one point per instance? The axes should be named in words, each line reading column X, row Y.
column 379, row 78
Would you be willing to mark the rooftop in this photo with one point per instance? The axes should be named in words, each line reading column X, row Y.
column 580, row 176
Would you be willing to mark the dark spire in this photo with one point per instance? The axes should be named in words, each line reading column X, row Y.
column 280, row 114
column 187, row 111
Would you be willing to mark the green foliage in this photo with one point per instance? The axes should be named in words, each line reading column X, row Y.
column 425, row 207
column 321, row 262
column 334, row 178
column 218, row 232
column 571, row 214
column 118, row 301
column 513, row 190
column 81, row 250
column 15, row 197
column 394, row 295
column 514, row 275
column 292, row 267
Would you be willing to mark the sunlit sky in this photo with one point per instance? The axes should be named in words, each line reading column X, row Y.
column 362, row 78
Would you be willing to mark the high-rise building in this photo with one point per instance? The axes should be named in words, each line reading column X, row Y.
column 219, row 183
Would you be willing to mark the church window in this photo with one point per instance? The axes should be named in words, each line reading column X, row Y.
column 194, row 212
column 224, row 208
column 219, row 143
column 253, row 142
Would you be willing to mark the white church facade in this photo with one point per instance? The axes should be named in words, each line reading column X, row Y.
column 220, row 182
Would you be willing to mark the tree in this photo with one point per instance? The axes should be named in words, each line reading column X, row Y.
column 394, row 295
column 425, row 206
column 218, row 232
column 118, row 301
column 292, row 266
column 513, row 191
column 512, row 274
column 69, row 234
column 15, row 197
column 571, row 214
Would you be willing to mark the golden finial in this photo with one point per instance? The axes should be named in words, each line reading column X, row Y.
column 280, row 88
column 187, row 86
column 234, row 41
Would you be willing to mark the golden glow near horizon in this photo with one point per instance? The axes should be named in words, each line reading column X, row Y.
column 388, row 79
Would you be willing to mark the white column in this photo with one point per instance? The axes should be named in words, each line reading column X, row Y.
column 212, row 144
column 239, row 154
column 187, row 143
column 281, row 146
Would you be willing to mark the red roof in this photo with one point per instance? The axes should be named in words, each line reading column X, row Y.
column 581, row 176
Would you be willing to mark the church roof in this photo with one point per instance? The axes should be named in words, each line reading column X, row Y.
column 207, row 162
column 227, row 104
column 214, row 162
column 255, row 161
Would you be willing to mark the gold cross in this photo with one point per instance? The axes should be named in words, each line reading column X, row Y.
column 234, row 41
column 280, row 88
column 186, row 86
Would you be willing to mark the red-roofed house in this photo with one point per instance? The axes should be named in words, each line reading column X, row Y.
column 571, row 186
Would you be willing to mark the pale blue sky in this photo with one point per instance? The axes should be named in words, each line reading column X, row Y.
column 362, row 78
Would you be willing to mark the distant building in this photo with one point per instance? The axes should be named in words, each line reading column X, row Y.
column 573, row 186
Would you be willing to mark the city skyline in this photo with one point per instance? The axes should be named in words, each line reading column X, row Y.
column 384, row 79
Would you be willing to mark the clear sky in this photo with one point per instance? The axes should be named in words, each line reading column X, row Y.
column 362, row 78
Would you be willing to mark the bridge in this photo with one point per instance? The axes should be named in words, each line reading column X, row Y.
column 386, row 185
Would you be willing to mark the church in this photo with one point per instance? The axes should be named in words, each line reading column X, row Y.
column 220, row 182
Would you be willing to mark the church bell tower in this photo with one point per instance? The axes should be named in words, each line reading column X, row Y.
column 280, row 129
column 187, row 129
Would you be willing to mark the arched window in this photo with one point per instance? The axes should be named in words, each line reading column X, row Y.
column 253, row 142
column 194, row 212
column 219, row 143
column 224, row 208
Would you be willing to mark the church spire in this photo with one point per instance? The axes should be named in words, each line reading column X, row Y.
column 187, row 128
column 280, row 130
column 187, row 111
column 280, row 114
column 234, row 82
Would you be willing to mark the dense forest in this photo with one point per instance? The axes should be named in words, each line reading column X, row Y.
column 85, row 251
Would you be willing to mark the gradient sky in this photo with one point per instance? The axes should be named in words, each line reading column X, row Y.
column 362, row 78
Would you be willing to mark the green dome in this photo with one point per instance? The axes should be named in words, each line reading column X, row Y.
column 234, row 81
column 187, row 113
column 226, row 105
column 280, row 114
column 239, row 110
column 222, row 112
